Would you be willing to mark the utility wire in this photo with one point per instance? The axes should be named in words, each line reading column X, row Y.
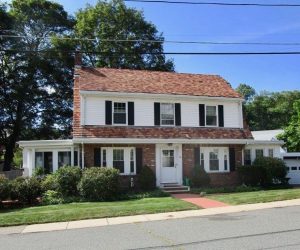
column 217, row 3
column 166, row 41
column 158, row 53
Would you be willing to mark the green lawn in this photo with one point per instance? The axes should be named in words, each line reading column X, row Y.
column 257, row 196
column 88, row 210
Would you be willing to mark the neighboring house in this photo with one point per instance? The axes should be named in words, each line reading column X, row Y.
column 170, row 122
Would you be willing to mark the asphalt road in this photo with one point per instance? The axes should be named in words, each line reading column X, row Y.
column 277, row 228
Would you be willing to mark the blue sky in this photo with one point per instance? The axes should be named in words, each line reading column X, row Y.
column 227, row 24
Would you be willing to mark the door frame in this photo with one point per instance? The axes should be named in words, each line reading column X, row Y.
column 177, row 161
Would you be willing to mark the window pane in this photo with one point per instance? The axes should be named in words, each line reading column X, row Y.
column 104, row 158
column 247, row 157
column 39, row 160
column 211, row 115
column 214, row 160
column 119, row 113
column 118, row 159
column 48, row 163
column 131, row 161
column 75, row 158
column 168, row 158
column 64, row 159
column 271, row 152
column 167, row 113
column 225, row 162
column 259, row 153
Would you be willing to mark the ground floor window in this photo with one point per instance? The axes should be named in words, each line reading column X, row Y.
column 44, row 160
column 247, row 157
column 259, row 153
column 271, row 152
column 214, row 159
column 64, row 158
column 122, row 159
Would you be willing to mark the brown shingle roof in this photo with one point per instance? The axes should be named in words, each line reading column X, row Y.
column 154, row 82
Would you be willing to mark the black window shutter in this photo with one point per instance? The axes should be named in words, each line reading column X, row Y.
column 197, row 157
column 221, row 115
column 177, row 114
column 202, row 115
column 232, row 159
column 108, row 112
column 130, row 113
column 97, row 157
column 139, row 159
column 156, row 113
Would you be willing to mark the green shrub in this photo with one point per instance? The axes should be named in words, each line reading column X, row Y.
column 26, row 190
column 38, row 171
column 265, row 171
column 5, row 188
column 199, row 177
column 68, row 178
column 50, row 183
column 220, row 190
column 141, row 195
column 147, row 179
column 99, row 184
column 52, row 197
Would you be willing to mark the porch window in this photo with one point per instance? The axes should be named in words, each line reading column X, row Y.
column 103, row 164
column 45, row 161
column 211, row 115
column 247, row 157
column 225, row 162
column 201, row 159
column 118, row 159
column 167, row 114
column 271, row 152
column 214, row 160
column 64, row 158
column 259, row 153
column 132, row 161
column 119, row 113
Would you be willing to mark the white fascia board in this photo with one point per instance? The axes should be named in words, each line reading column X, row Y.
column 295, row 154
column 262, row 142
column 156, row 141
column 155, row 96
column 45, row 143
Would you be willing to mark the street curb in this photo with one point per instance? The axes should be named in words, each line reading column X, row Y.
column 48, row 227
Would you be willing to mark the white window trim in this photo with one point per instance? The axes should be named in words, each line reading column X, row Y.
column 259, row 149
column 109, row 158
column 221, row 152
column 217, row 115
column 244, row 155
column 160, row 118
column 113, row 109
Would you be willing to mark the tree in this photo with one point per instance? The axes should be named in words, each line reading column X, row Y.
column 271, row 110
column 34, row 86
column 246, row 91
column 114, row 20
column 291, row 134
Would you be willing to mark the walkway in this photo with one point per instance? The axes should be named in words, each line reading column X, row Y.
column 199, row 201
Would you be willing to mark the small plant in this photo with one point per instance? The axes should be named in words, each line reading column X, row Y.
column 5, row 188
column 99, row 184
column 52, row 197
column 26, row 190
column 199, row 177
column 50, row 183
column 68, row 178
column 147, row 179
column 38, row 172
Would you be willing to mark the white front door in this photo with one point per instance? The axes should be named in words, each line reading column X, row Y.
column 168, row 165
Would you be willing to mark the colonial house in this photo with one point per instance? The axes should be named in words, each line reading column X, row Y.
column 170, row 122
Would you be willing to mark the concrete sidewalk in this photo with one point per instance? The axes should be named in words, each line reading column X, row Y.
column 145, row 217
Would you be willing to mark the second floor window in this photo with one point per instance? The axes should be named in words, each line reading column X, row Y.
column 211, row 116
column 119, row 113
column 167, row 114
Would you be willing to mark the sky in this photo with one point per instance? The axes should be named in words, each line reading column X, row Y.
column 227, row 24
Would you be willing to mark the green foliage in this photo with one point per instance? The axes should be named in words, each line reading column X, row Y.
column 141, row 195
column 246, row 91
column 5, row 188
column 52, row 197
column 199, row 177
column 50, row 183
column 26, row 190
column 99, row 184
column 271, row 110
column 18, row 158
column 265, row 171
column 147, row 179
column 68, row 178
column 114, row 20
column 38, row 171
column 220, row 190
column 291, row 134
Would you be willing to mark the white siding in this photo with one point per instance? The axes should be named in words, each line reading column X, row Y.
column 94, row 111
column 265, row 148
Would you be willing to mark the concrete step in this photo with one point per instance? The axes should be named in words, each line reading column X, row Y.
column 175, row 188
